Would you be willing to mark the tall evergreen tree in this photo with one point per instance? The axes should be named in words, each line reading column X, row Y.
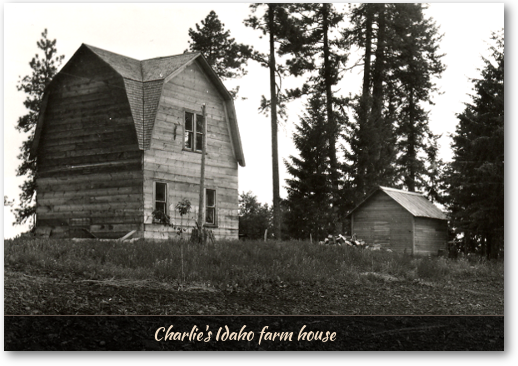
column 309, row 202
column 380, row 118
column 315, row 47
column 274, row 22
column 364, row 131
column 370, row 140
column 44, row 66
column 414, row 70
column 475, row 177
column 222, row 53
column 387, row 144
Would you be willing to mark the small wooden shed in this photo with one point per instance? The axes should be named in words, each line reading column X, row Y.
column 402, row 221
column 119, row 140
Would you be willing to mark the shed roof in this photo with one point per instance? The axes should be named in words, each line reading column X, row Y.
column 415, row 203
column 143, row 81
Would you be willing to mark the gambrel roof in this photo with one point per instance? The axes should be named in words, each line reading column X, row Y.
column 415, row 203
column 143, row 81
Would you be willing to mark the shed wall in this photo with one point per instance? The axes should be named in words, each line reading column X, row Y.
column 381, row 220
column 430, row 236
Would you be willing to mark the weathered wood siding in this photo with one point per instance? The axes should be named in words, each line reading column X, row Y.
column 166, row 160
column 430, row 235
column 90, row 166
column 381, row 220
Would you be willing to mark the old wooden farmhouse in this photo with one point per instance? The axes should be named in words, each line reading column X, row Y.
column 120, row 139
column 402, row 221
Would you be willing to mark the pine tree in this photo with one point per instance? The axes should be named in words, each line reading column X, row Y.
column 414, row 70
column 370, row 152
column 223, row 54
column 274, row 23
column 315, row 51
column 387, row 144
column 309, row 202
column 475, row 177
column 365, row 130
column 44, row 67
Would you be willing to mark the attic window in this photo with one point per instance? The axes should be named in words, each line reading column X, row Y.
column 193, row 131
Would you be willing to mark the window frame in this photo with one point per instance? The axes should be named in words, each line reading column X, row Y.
column 214, row 207
column 155, row 183
column 194, row 132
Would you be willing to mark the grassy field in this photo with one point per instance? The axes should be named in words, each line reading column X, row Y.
column 95, row 277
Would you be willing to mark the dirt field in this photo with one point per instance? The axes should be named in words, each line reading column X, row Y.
column 37, row 291
column 372, row 299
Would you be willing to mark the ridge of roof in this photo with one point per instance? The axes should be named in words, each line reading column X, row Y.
column 127, row 67
column 161, row 67
column 400, row 191
column 180, row 54
column 151, row 69
column 415, row 203
column 93, row 48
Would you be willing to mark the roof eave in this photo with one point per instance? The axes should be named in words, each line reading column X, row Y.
column 227, row 97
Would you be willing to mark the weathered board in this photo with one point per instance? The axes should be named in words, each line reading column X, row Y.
column 89, row 163
column 107, row 134
column 382, row 220
column 168, row 162
column 431, row 235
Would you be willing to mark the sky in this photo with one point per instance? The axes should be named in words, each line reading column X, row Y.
column 145, row 31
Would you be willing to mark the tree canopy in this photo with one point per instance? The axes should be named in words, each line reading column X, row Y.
column 44, row 66
column 227, row 57
column 475, row 177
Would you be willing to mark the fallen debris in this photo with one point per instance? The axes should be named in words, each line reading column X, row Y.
column 128, row 235
column 352, row 241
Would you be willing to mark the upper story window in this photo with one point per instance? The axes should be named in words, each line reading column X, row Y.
column 193, row 131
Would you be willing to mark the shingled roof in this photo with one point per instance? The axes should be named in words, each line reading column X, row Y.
column 143, row 81
column 415, row 203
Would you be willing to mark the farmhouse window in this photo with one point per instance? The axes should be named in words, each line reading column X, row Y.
column 161, row 197
column 193, row 131
column 210, row 206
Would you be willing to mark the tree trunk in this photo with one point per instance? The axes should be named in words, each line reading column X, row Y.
column 331, row 122
column 411, row 146
column 275, row 153
column 377, row 123
column 363, row 159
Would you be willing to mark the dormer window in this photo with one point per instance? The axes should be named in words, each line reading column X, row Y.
column 193, row 131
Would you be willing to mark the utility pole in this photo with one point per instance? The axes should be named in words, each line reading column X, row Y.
column 201, row 208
